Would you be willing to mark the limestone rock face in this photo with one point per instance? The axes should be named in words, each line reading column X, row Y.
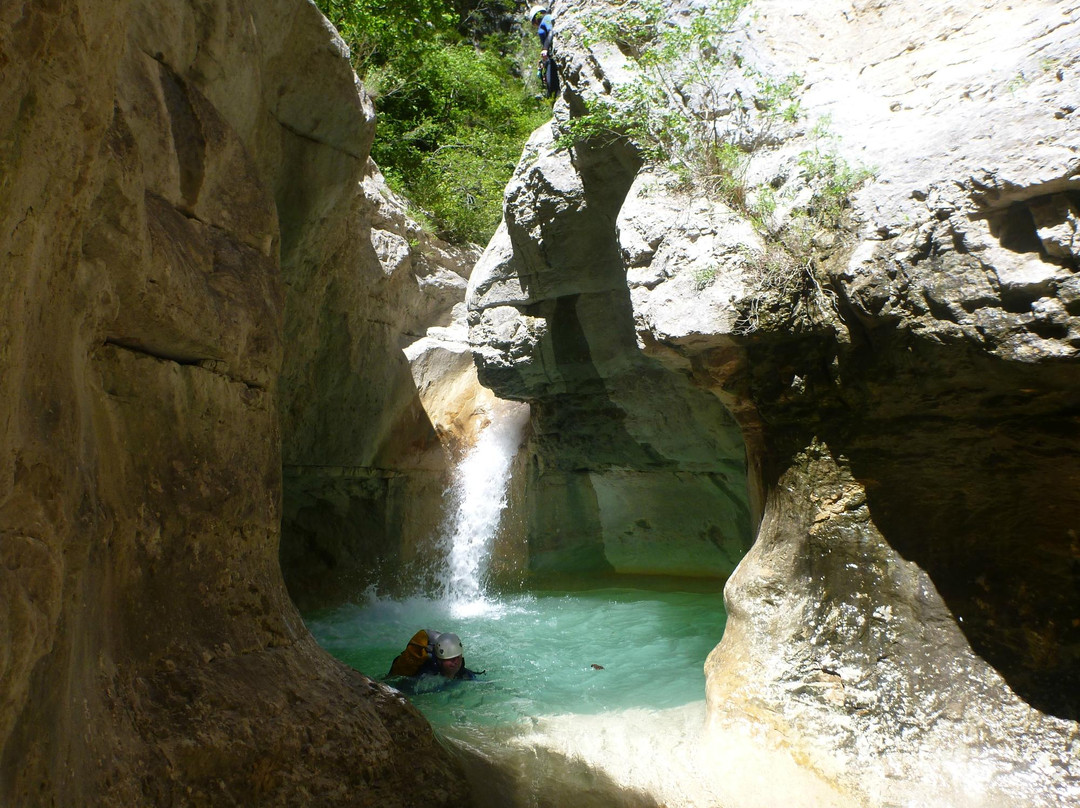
column 635, row 470
column 165, row 169
column 949, row 389
column 365, row 467
column 906, row 394
column 455, row 401
column 845, row 655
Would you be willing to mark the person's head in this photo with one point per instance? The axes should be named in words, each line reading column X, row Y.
column 536, row 14
column 449, row 655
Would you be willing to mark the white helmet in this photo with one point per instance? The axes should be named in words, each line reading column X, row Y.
column 535, row 12
column 448, row 646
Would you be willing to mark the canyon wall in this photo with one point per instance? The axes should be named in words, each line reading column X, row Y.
column 366, row 453
column 895, row 391
column 198, row 267
column 633, row 469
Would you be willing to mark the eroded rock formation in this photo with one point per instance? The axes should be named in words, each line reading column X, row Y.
column 634, row 469
column 180, row 193
column 367, row 458
column 907, row 403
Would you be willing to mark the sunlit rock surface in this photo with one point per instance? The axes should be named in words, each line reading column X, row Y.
column 634, row 469
column 455, row 401
column 905, row 627
column 649, row 758
column 170, row 176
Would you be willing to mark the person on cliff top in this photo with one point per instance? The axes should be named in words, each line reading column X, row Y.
column 433, row 653
column 544, row 23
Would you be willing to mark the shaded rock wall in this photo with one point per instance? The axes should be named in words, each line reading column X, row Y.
column 633, row 469
column 365, row 466
column 908, row 405
column 156, row 159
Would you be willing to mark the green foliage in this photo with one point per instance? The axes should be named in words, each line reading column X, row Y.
column 667, row 112
column 779, row 98
column 833, row 181
column 822, row 128
column 377, row 31
column 672, row 62
column 454, row 103
column 704, row 276
column 634, row 31
column 783, row 279
column 603, row 125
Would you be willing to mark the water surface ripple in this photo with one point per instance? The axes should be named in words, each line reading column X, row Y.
column 539, row 651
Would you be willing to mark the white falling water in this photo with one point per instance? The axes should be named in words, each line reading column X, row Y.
column 479, row 494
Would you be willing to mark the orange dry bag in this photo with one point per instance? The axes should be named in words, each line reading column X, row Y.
column 412, row 660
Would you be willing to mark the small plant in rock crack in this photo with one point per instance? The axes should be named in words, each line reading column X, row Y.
column 783, row 280
column 704, row 276
column 761, row 206
column 775, row 282
column 777, row 99
column 833, row 181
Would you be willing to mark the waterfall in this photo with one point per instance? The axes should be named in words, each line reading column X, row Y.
column 478, row 494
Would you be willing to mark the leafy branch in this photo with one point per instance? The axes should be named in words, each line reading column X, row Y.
column 672, row 114
column 454, row 99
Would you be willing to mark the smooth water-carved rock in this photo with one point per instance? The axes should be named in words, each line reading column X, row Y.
column 635, row 470
column 843, row 651
column 906, row 392
column 156, row 159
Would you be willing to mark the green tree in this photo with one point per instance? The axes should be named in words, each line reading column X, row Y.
column 667, row 111
column 455, row 103
column 378, row 31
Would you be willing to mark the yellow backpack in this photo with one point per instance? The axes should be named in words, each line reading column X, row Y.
column 412, row 660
